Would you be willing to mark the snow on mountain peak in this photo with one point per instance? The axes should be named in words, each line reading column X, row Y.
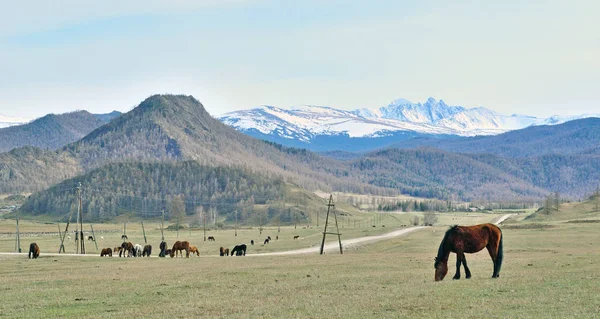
column 431, row 117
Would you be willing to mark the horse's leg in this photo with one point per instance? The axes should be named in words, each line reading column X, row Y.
column 459, row 257
column 467, row 271
column 494, row 254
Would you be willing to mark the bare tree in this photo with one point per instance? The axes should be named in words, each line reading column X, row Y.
column 429, row 218
column 177, row 210
column 416, row 221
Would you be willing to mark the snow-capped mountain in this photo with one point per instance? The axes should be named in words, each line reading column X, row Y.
column 307, row 126
column 6, row 121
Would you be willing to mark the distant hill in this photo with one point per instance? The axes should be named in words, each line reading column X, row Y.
column 439, row 174
column 52, row 131
column 577, row 136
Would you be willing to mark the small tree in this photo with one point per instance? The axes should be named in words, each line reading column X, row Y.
column 548, row 205
column 557, row 200
column 430, row 218
column 177, row 209
column 416, row 221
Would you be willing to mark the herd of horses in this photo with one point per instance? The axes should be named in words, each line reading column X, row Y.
column 460, row 240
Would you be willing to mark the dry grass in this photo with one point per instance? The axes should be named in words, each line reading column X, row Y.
column 548, row 273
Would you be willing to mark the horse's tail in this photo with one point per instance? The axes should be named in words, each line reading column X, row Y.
column 500, row 255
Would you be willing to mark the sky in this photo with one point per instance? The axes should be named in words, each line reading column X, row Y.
column 537, row 58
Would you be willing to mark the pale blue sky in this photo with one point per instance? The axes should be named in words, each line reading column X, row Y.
column 538, row 58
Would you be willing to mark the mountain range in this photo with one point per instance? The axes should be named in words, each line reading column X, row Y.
column 168, row 137
column 320, row 128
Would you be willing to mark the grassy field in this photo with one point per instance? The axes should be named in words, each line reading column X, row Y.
column 548, row 272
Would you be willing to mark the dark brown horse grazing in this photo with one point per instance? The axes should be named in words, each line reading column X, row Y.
column 106, row 252
column 239, row 250
column 223, row 251
column 147, row 251
column 127, row 249
column 179, row 246
column 469, row 239
column 34, row 250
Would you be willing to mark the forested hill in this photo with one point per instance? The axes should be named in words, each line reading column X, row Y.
column 578, row 136
column 52, row 131
column 172, row 128
column 145, row 188
column 429, row 172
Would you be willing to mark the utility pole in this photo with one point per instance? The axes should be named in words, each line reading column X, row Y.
column 18, row 239
column 81, row 246
column 144, row 231
column 236, row 223
column 204, row 215
column 162, row 225
column 329, row 205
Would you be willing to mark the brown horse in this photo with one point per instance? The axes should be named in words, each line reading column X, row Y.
column 147, row 251
column 194, row 250
column 106, row 252
column 34, row 250
column 126, row 249
column 178, row 247
column 469, row 239
column 223, row 251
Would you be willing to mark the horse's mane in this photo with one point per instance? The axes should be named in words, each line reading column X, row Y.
column 440, row 254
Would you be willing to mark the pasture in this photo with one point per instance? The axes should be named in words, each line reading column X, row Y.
column 548, row 272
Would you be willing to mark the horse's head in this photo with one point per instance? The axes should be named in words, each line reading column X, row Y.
column 441, row 269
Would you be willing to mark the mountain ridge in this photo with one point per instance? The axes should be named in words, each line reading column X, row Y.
column 306, row 126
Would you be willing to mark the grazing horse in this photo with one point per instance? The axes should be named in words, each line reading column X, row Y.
column 167, row 252
column 147, row 251
column 194, row 250
column 211, row 238
column 91, row 238
column 126, row 249
column 239, row 250
column 34, row 250
column 223, row 251
column 178, row 247
column 137, row 250
column 106, row 252
column 266, row 241
column 297, row 236
column 469, row 239
column 163, row 248
column 124, row 237
column 252, row 242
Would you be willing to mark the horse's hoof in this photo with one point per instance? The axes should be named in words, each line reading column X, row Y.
column 468, row 277
column 455, row 278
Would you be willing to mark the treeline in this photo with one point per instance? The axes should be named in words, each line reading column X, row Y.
column 145, row 189
column 417, row 206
